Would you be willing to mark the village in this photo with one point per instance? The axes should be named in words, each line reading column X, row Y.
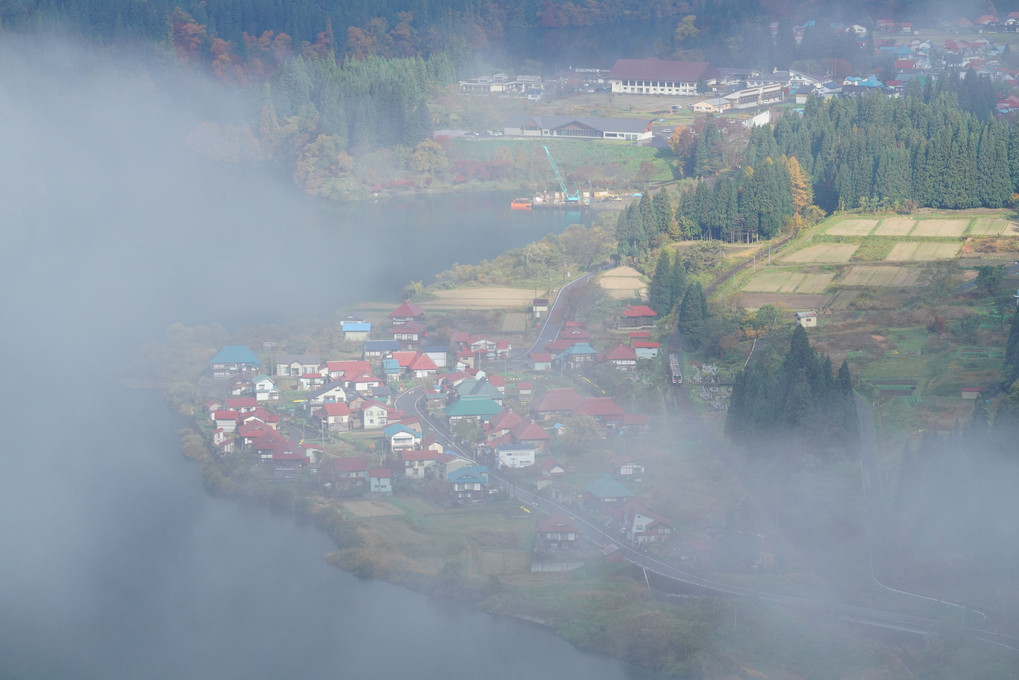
column 438, row 418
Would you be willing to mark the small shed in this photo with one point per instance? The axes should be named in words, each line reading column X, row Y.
column 807, row 319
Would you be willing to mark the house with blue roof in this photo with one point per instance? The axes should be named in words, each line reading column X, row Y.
column 400, row 438
column 355, row 330
column 233, row 359
column 379, row 349
column 469, row 483
column 577, row 355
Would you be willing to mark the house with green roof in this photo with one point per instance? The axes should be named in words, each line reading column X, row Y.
column 479, row 409
column 607, row 491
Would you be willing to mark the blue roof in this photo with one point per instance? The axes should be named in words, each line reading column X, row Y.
column 578, row 348
column 235, row 354
column 473, row 473
column 398, row 427
column 355, row 327
column 390, row 366
column 428, row 349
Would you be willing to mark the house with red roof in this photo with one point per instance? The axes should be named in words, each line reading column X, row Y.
column 524, row 390
column 334, row 416
column 409, row 333
column 225, row 419
column 541, row 361
column 638, row 316
column 606, row 412
column 646, row 350
column 556, row 403
column 259, row 415
column 374, row 415
column 242, row 404
column 408, row 311
column 422, row 366
column 623, row 357
column 530, row 433
column 347, row 474
column 421, row 463
column 557, row 532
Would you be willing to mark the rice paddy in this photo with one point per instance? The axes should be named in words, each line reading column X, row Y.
column 923, row 251
column 880, row 276
column 825, row 253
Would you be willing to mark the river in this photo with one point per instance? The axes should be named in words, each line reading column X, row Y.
column 114, row 561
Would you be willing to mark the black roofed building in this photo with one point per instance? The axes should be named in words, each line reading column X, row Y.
column 585, row 127
column 660, row 76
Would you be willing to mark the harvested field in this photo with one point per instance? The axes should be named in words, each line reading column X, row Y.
column 754, row 301
column 920, row 251
column 514, row 322
column 940, row 227
column 623, row 283
column 371, row 508
column 787, row 282
column 992, row 226
column 814, row 283
column 823, row 253
column 480, row 298
column 895, row 226
column 884, row 277
column 852, row 227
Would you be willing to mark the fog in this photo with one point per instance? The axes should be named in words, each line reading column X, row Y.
column 114, row 562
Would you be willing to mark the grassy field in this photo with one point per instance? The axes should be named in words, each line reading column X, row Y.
column 775, row 280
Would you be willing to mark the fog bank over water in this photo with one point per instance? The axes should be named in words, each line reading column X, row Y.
column 114, row 562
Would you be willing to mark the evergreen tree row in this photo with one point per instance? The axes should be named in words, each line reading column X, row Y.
column 800, row 400
column 924, row 148
column 362, row 105
column 646, row 224
column 754, row 202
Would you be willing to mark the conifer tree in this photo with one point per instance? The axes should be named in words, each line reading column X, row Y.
column 660, row 296
column 692, row 312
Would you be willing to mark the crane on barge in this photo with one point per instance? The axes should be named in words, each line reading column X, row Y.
column 570, row 198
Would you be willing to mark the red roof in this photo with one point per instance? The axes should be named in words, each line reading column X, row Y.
column 646, row 345
column 599, row 406
column 422, row 362
column 380, row 473
column 461, row 337
column 409, row 327
column 497, row 381
column 530, row 431
column 352, row 464
column 621, row 352
column 225, row 415
column 526, row 385
column 504, row 420
column 558, row 399
column 405, row 357
column 640, row 334
column 349, row 367
column 407, row 310
column 420, row 454
column 633, row 311
column 541, row 357
column 339, row 409
column 241, row 402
